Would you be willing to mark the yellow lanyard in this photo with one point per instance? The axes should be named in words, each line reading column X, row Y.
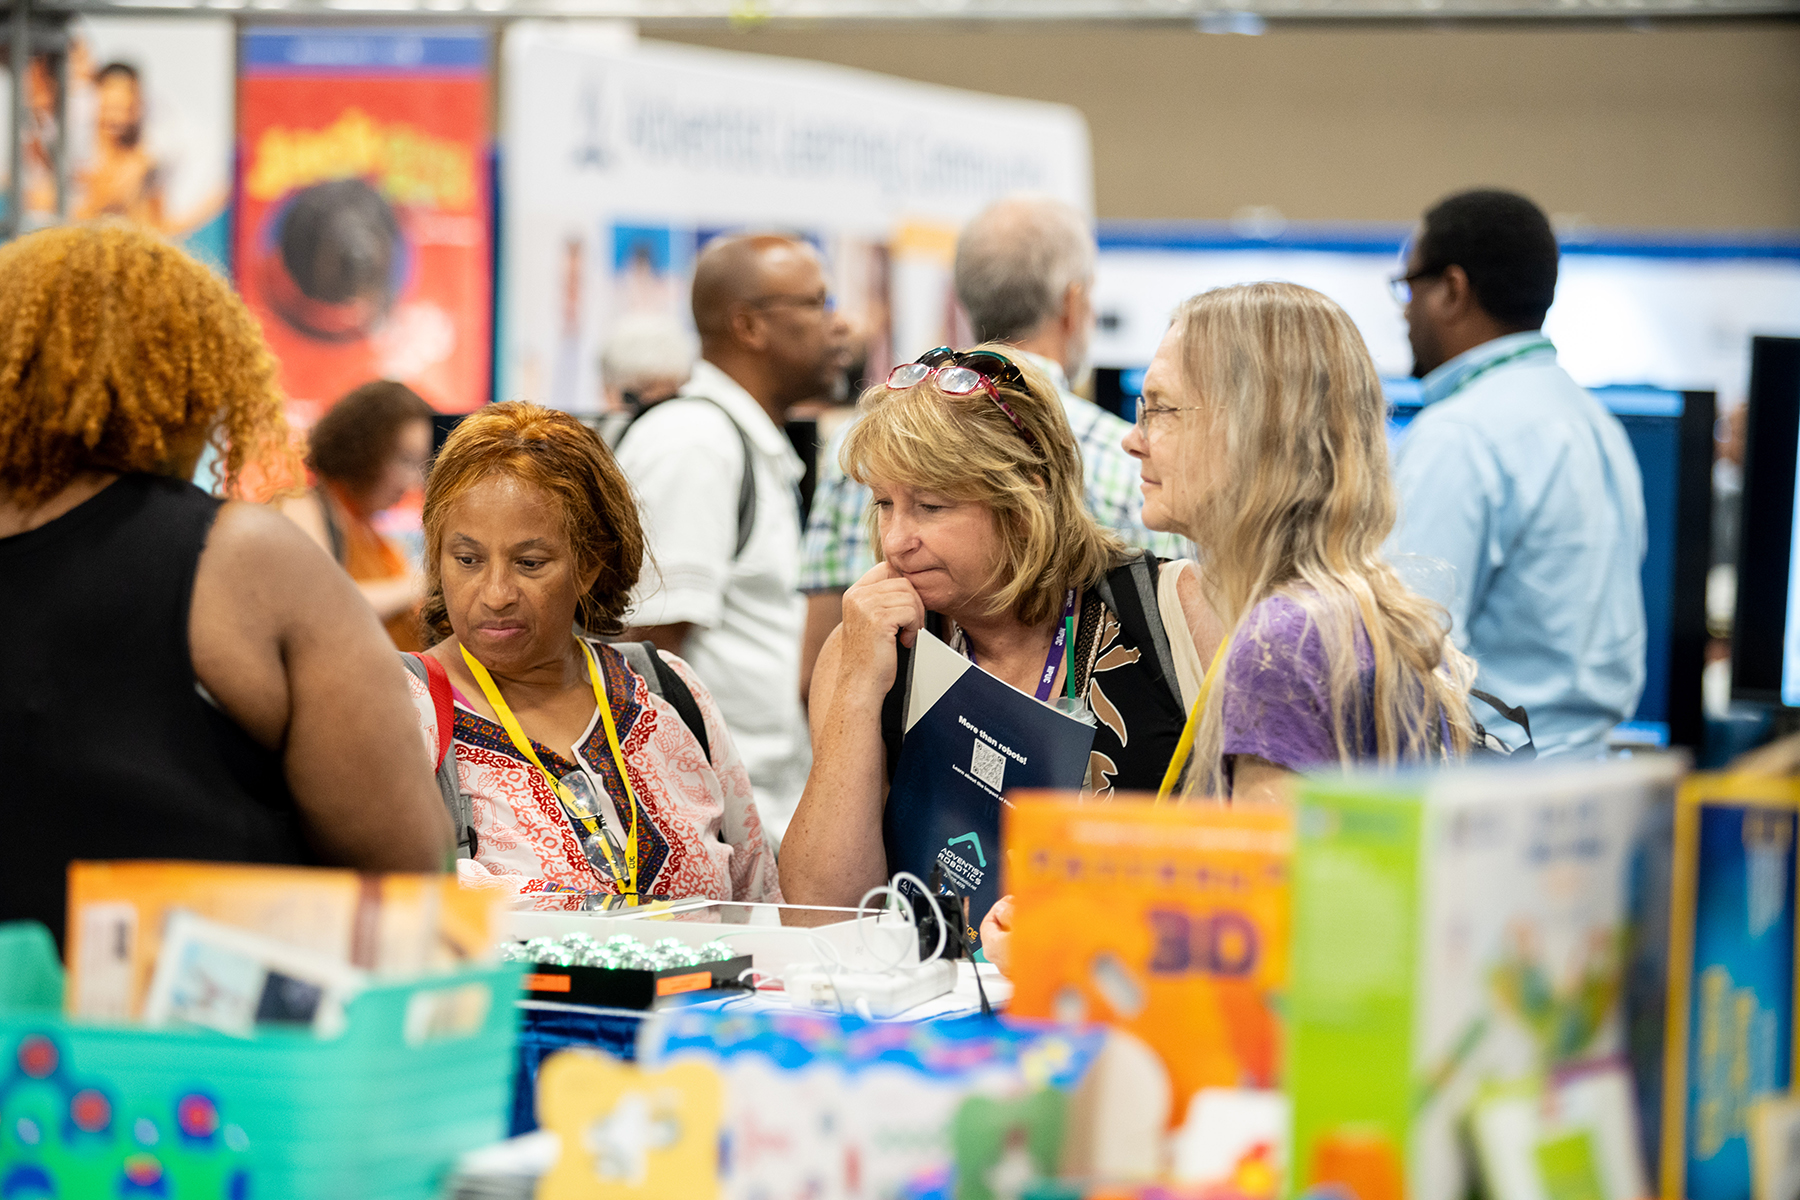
column 1185, row 746
column 588, row 824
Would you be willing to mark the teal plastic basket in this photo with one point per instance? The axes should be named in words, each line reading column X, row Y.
column 422, row 1073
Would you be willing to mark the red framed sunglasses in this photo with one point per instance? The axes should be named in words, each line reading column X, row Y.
column 963, row 375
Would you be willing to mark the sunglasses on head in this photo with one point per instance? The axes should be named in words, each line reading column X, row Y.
column 962, row 375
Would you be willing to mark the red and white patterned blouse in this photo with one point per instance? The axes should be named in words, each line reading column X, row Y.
column 698, row 829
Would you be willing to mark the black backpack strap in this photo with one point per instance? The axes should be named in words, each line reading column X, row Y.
column 1513, row 713
column 893, row 710
column 746, row 506
column 663, row 681
column 747, row 484
column 893, row 705
column 1130, row 592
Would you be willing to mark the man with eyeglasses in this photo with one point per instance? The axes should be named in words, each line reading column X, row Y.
column 1518, row 479
column 716, row 478
column 1024, row 274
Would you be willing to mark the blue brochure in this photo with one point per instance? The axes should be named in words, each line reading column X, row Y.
column 970, row 738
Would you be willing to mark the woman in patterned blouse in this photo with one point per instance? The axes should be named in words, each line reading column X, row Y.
column 532, row 547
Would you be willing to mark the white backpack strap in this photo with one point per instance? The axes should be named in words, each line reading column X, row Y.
column 1189, row 670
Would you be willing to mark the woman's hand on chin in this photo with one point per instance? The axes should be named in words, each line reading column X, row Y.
column 878, row 608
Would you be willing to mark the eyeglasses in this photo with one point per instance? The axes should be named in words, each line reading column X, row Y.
column 1401, row 285
column 591, row 826
column 824, row 302
column 963, row 374
column 1147, row 411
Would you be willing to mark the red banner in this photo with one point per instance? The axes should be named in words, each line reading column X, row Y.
column 362, row 239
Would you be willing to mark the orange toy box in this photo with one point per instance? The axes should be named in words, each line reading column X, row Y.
column 1170, row 921
column 393, row 926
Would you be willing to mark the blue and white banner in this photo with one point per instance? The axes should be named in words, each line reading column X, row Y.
column 1673, row 311
column 623, row 157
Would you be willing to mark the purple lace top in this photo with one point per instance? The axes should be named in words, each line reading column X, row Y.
column 1277, row 690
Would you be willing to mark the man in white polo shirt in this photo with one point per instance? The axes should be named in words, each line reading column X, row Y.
column 725, row 544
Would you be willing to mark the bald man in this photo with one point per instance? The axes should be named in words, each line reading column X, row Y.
column 721, row 592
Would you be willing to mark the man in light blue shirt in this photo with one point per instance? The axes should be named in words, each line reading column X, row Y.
column 1519, row 480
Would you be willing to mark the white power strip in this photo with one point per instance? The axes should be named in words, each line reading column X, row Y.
column 869, row 993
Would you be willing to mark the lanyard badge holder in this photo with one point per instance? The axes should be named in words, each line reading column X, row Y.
column 575, row 792
column 1062, row 651
column 598, row 841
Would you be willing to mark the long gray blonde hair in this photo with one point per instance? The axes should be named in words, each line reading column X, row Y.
column 1292, row 404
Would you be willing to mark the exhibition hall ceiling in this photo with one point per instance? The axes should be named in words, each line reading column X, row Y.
column 1220, row 16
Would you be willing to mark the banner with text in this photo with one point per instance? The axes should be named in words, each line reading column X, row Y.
column 624, row 157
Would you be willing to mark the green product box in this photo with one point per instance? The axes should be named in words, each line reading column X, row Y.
column 1454, row 931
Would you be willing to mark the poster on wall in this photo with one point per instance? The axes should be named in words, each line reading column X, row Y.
column 149, row 116
column 362, row 241
column 626, row 157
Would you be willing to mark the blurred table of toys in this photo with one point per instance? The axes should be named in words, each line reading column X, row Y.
column 1528, row 982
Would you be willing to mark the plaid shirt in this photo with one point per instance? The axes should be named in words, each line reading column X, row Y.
column 836, row 552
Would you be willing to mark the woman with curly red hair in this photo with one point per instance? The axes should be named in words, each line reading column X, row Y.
column 586, row 774
column 182, row 677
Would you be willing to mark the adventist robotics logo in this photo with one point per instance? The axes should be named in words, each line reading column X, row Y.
column 966, row 875
column 974, row 840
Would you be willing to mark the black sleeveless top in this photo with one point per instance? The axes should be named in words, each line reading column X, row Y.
column 1138, row 712
column 107, row 747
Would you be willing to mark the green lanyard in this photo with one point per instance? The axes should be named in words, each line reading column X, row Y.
column 1509, row 356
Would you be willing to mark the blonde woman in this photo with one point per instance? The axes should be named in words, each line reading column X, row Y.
column 1262, row 437
column 977, row 515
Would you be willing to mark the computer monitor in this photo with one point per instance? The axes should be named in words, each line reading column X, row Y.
column 1672, row 434
column 1116, row 389
column 1765, row 633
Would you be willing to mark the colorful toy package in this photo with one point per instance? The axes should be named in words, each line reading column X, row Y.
column 391, row 925
column 1170, row 921
column 833, row 1106
column 1454, row 933
column 1731, row 978
column 90, row 1110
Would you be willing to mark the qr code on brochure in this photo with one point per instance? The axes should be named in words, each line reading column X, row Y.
column 989, row 766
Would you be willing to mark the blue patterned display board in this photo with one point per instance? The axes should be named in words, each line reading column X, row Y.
column 1732, row 978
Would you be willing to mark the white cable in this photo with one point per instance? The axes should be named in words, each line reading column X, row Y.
column 893, row 888
column 831, row 978
column 907, row 945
